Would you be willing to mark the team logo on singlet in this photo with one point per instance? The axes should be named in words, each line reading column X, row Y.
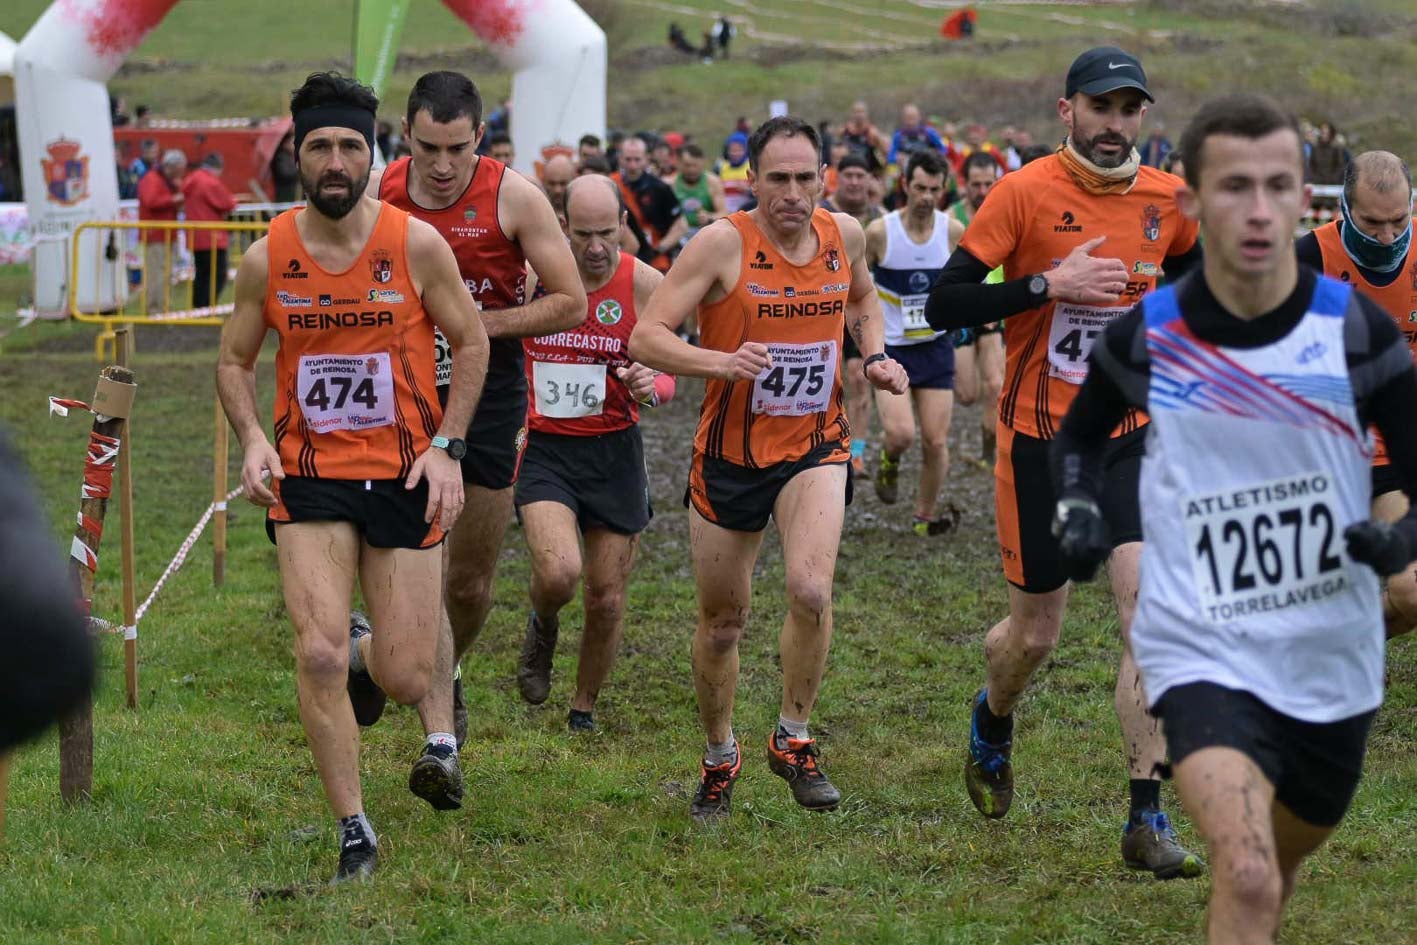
column 608, row 312
column 470, row 214
column 381, row 265
column 1151, row 223
column 833, row 259
column 919, row 281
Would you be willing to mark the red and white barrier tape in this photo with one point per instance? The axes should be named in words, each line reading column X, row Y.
column 131, row 632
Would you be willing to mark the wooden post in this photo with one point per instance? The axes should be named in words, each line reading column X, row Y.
column 219, row 461
column 122, row 345
column 76, row 729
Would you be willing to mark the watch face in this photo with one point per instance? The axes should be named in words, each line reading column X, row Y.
column 457, row 449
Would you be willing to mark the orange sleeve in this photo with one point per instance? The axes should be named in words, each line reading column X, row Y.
column 996, row 230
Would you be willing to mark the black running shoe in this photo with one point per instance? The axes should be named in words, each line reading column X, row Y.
column 358, row 858
column 580, row 722
column 364, row 694
column 459, row 713
column 436, row 778
column 795, row 761
column 715, row 794
column 534, row 668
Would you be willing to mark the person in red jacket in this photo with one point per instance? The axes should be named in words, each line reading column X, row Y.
column 160, row 197
column 208, row 200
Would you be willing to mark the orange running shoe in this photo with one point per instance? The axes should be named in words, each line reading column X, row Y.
column 795, row 761
column 715, row 794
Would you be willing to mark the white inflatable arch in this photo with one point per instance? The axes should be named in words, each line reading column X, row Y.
column 64, row 62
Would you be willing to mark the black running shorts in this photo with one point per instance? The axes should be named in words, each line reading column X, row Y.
column 599, row 478
column 1314, row 767
column 496, row 437
column 1385, row 480
column 742, row 499
column 1024, row 505
column 385, row 513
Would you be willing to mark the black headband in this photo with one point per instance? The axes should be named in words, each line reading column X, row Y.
column 335, row 116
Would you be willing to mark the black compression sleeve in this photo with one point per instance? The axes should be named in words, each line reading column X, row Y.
column 1391, row 409
column 1306, row 250
column 960, row 299
column 49, row 657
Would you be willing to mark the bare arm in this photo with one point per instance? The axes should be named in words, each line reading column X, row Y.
column 376, row 177
column 677, row 229
column 718, row 205
column 241, row 339
column 706, row 270
column 648, row 386
column 863, row 310
column 527, row 217
column 448, row 303
column 875, row 242
column 451, row 307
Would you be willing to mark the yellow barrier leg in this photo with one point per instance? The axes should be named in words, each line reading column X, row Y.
column 104, row 344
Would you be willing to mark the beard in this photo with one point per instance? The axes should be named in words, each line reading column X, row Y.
column 336, row 208
column 1089, row 150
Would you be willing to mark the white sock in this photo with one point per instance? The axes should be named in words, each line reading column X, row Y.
column 443, row 738
column 360, row 823
column 791, row 727
column 718, row 753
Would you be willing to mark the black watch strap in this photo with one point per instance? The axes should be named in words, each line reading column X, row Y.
column 878, row 356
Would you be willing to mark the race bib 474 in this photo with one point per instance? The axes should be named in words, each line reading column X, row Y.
column 346, row 391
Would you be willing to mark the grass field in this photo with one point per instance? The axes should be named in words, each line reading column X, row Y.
column 207, row 822
column 208, row 793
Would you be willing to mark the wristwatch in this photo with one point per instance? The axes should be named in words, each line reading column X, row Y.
column 455, row 448
column 878, row 356
column 1038, row 287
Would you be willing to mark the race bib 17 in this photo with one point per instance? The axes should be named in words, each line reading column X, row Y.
column 912, row 312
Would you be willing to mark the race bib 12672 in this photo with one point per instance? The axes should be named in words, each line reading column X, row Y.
column 1265, row 546
column 346, row 391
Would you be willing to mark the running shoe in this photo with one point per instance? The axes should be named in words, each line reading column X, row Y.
column 1151, row 844
column 715, row 794
column 365, row 695
column 580, row 722
column 534, row 668
column 795, row 761
column 358, row 858
column 436, row 777
column 459, row 713
column 887, row 479
column 988, row 772
column 858, row 468
column 942, row 525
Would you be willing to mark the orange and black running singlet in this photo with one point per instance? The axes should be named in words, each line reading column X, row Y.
column 1033, row 218
column 355, row 395
column 799, row 313
column 1398, row 298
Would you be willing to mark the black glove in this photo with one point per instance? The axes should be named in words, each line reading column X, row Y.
column 1082, row 537
column 1379, row 546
